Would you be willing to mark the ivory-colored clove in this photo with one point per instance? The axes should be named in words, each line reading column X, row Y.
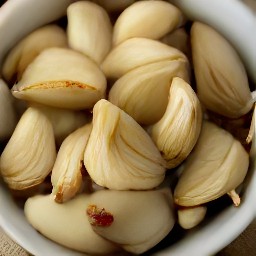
column 143, row 92
column 120, row 154
column 30, row 153
column 66, row 224
column 190, row 217
column 134, row 220
column 67, row 171
column 89, row 29
column 31, row 46
column 222, row 83
column 176, row 133
column 62, row 78
column 149, row 19
column 137, row 52
column 217, row 165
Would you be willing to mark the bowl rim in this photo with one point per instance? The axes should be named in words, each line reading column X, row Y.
column 247, row 211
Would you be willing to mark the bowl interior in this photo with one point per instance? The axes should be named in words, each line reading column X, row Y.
column 222, row 228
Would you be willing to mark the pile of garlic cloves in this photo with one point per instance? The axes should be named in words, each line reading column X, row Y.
column 110, row 112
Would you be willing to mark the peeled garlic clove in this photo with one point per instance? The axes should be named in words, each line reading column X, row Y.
column 114, row 6
column 27, row 49
column 7, row 112
column 143, row 92
column 64, row 121
column 190, row 217
column 62, row 78
column 30, row 153
column 66, row 173
column 177, row 131
column 120, row 154
column 178, row 39
column 134, row 220
column 149, row 19
column 89, row 30
column 66, row 224
column 217, row 165
column 136, row 52
column 222, row 83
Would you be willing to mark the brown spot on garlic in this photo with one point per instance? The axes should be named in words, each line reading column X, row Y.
column 99, row 216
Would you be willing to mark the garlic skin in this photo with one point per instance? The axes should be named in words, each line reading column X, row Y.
column 177, row 131
column 66, row 173
column 222, row 83
column 89, row 30
column 8, row 118
column 141, row 219
column 30, row 153
column 136, row 52
column 120, row 154
column 143, row 92
column 66, row 224
column 31, row 46
column 62, row 78
column 190, row 217
column 217, row 165
column 64, row 121
column 149, row 19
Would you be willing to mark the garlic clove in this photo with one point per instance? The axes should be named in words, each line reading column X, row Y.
column 222, row 83
column 30, row 153
column 136, row 52
column 143, row 92
column 89, row 30
column 217, row 165
column 66, row 173
column 66, row 224
column 62, row 78
column 190, row 217
column 120, row 154
column 148, row 19
column 64, row 121
column 7, row 112
column 134, row 220
column 176, row 133
column 27, row 49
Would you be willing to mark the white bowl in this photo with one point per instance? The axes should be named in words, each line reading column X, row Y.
column 230, row 17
